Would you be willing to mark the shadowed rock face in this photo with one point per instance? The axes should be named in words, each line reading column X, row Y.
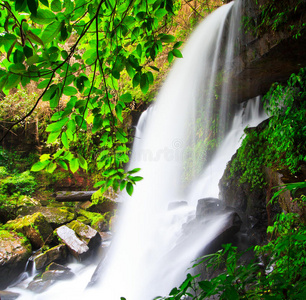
column 271, row 57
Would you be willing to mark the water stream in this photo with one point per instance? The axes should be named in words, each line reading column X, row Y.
column 144, row 260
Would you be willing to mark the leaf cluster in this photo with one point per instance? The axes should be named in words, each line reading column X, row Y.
column 78, row 53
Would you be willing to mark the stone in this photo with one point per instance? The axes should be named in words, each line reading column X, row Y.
column 6, row 295
column 56, row 216
column 207, row 207
column 87, row 234
column 97, row 221
column 15, row 250
column 55, row 254
column 35, row 227
column 51, row 275
column 77, row 247
column 55, row 266
column 103, row 206
column 39, row 286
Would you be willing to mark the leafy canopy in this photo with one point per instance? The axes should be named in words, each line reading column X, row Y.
column 79, row 53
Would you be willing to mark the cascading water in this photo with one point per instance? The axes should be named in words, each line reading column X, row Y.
column 145, row 259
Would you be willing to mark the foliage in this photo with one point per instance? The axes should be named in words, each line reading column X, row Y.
column 276, row 15
column 277, row 272
column 23, row 183
column 79, row 52
column 280, row 144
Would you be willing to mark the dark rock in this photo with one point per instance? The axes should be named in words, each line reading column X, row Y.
column 176, row 204
column 6, row 295
column 208, row 206
column 35, row 227
column 72, row 196
column 56, row 216
column 77, row 248
column 55, row 254
column 87, row 234
column 14, row 253
column 103, row 206
column 39, row 286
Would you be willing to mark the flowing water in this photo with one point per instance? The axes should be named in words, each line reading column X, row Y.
column 146, row 259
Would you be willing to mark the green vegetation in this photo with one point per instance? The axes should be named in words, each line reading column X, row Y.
column 276, row 272
column 281, row 143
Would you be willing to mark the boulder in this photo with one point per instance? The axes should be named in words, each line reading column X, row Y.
column 15, row 250
column 208, row 206
column 35, row 227
column 39, row 286
column 103, row 206
column 55, row 254
column 72, row 196
column 6, row 295
column 57, row 275
column 77, row 247
column 87, row 234
column 56, row 216
column 55, row 266
column 97, row 221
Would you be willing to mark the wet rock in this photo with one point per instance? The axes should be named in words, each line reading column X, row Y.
column 71, row 196
column 5, row 295
column 56, row 216
column 14, row 253
column 52, row 275
column 55, row 254
column 77, row 247
column 35, row 227
column 55, row 266
column 208, row 206
column 87, row 234
column 177, row 204
column 39, row 286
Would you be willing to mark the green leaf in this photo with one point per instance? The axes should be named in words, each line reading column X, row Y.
column 65, row 140
column 62, row 164
column 44, row 2
column 178, row 44
column 82, row 161
column 69, row 91
column 167, row 38
column 17, row 68
column 32, row 5
column 51, row 167
column 129, row 188
column 43, row 84
column 122, row 185
column 53, row 136
column 57, row 125
column 97, row 123
column 51, row 93
column 28, row 52
column 56, row 5
column 13, row 81
column 137, row 178
column 177, row 53
column 170, row 57
column 51, row 31
column 20, row 5
column 134, row 171
column 43, row 17
column 39, row 166
column 7, row 38
column 35, row 38
column 136, row 80
column 74, row 165
column 126, row 98
column 160, row 13
column 144, row 83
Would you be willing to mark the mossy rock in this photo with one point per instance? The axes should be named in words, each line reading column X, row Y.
column 55, row 254
column 86, row 233
column 84, row 220
column 97, row 221
column 15, row 249
column 35, row 227
column 102, row 206
column 56, row 216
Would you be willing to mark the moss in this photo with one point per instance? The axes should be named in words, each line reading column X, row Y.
column 97, row 221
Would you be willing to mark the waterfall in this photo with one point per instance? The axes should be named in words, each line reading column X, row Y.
column 182, row 145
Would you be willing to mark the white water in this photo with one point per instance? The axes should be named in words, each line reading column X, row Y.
column 145, row 259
